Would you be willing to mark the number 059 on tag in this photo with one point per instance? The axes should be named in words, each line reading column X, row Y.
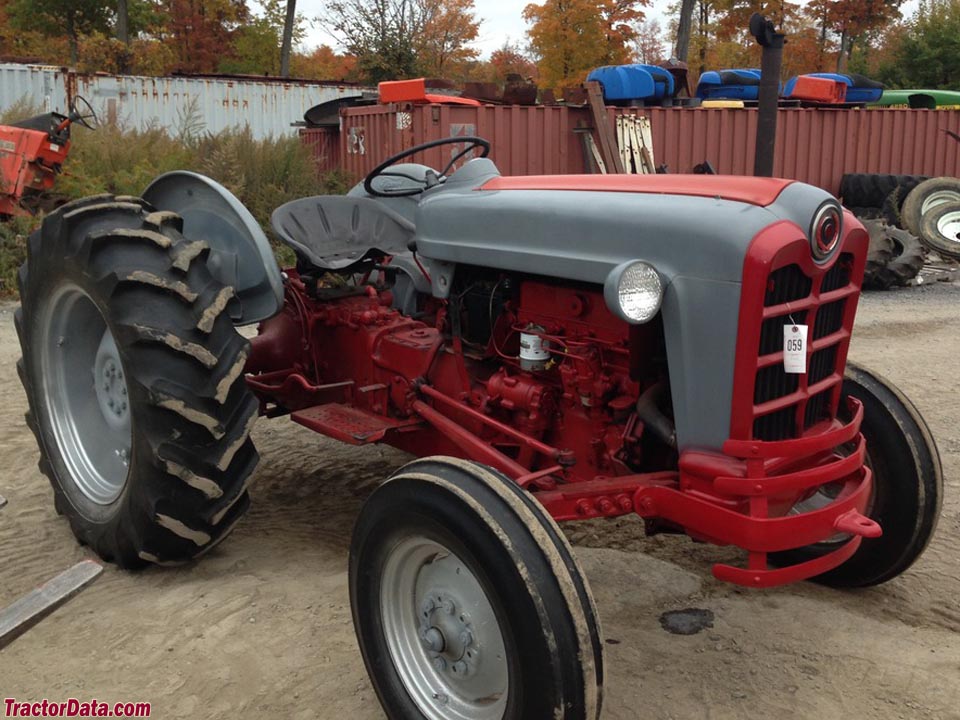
column 795, row 349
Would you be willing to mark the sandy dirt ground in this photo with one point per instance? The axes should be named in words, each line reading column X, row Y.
column 262, row 628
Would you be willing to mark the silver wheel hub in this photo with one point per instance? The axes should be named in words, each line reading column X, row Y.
column 85, row 394
column 938, row 198
column 442, row 633
column 948, row 226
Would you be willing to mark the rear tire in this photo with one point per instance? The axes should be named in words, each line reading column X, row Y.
column 871, row 189
column 895, row 257
column 134, row 377
column 444, row 534
column 907, row 492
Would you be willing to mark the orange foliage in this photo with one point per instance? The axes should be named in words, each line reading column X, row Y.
column 323, row 64
column 571, row 37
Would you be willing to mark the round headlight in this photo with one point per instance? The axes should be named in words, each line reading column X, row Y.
column 634, row 291
column 825, row 231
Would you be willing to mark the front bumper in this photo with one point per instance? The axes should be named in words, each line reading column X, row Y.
column 747, row 496
column 744, row 498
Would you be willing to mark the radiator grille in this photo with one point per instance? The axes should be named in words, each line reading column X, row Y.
column 785, row 405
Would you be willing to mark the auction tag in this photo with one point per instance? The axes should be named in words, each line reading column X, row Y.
column 795, row 349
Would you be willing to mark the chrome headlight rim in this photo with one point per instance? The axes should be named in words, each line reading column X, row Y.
column 827, row 219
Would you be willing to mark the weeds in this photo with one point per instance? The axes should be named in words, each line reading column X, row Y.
column 263, row 174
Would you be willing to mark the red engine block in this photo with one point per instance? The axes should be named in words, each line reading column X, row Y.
column 579, row 426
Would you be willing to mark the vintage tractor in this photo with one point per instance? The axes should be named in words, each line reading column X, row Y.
column 32, row 153
column 552, row 348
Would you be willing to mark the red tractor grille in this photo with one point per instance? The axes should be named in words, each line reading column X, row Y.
column 791, row 289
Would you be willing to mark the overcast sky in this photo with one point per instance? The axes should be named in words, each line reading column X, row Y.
column 501, row 21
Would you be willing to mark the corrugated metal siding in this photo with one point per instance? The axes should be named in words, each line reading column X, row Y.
column 816, row 146
column 268, row 107
column 324, row 145
column 42, row 85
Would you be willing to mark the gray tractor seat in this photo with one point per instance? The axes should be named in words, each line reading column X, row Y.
column 336, row 233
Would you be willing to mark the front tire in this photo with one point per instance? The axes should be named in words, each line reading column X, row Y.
column 134, row 377
column 468, row 603
column 907, row 491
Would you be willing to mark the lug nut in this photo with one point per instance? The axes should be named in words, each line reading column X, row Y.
column 466, row 638
column 448, row 607
column 460, row 667
column 428, row 607
column 439, row 664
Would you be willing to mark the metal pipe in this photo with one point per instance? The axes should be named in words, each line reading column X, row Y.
column 772, row 42
column 652, row 416
column 531, row 442
column 474, row 447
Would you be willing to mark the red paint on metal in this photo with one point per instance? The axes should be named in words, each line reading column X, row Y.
column 815, row 146
column 822, row 90
column 755, row 191
column 324, row 146
column 29, row 163
column 415, row 91
column 781, row 246
column 350, row 366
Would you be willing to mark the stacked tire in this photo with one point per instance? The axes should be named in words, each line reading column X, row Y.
column 932, row 212
column 895, row 257
column 906, row 217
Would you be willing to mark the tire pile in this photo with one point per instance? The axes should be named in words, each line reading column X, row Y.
column 908, row 218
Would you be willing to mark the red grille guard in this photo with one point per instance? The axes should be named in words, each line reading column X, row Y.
column 710, row 506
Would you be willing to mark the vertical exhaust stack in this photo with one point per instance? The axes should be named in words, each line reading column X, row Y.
column 772, row 42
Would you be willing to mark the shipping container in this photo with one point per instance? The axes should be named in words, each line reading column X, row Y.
column 814, row 145
column 268, row 106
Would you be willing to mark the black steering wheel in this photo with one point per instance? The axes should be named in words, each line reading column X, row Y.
column 82, row 112
column 472, row 143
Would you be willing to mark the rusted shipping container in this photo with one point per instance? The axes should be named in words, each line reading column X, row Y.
column 324, row 145
column 210, row 103
column 816, row 146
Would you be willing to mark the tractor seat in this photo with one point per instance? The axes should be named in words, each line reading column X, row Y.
column 336, row 233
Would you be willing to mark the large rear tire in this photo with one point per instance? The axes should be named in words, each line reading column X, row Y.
column 907, row 491
column 871, row 189
column 468, row 603
column 134, row 377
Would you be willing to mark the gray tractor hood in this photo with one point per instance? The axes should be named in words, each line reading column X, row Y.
column 581, row 227
column 695, row 230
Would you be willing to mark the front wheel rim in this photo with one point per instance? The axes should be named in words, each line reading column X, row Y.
column 84, row 393
column 442, row 633
column 948, row 226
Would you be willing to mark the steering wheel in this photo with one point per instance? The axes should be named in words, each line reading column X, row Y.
column 83, row 114
column 472, row 143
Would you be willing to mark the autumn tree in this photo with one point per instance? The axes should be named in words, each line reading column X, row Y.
column 200, row 31
column 70, row 18
column 323, row 63
column 571, row 37
column 509, row 59
column 649, row 42
column 852, row 20
column 395, row 39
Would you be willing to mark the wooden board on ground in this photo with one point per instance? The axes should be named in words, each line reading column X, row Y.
column 23, row 614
